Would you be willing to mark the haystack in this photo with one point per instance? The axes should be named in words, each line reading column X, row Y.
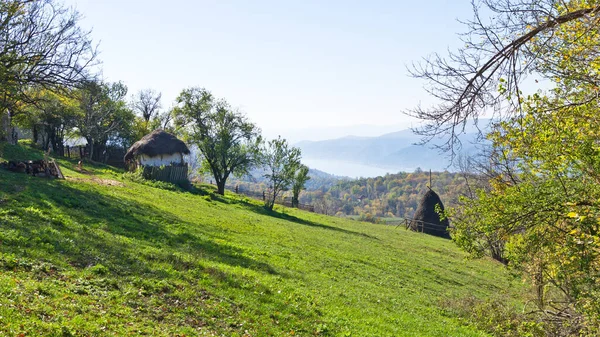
column 158, row 148
column 427, row 220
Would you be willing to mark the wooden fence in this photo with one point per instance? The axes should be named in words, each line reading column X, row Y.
column 287, row 203
column 420, row 226
column 74, row 151
column 172, row 174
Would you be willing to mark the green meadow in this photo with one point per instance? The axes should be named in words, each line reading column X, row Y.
column 98, row 254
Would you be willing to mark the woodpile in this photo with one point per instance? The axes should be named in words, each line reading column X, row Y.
column 38, row 168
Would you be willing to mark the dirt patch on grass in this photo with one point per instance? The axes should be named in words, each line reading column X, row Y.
column 82, row 171
column 99, row 181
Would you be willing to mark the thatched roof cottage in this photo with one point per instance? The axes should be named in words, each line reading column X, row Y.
column 160, row 155
column 158, row 148
column 427, row 220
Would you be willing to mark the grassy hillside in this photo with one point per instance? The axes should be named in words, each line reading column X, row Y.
column 99, row 255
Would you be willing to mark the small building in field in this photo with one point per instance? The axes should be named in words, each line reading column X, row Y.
column 160, row 154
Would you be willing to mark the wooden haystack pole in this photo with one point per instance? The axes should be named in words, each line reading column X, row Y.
column 427, row 220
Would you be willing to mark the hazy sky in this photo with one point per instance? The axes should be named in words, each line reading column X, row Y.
column 287, row 64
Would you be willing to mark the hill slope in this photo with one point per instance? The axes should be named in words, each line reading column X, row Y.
column 99, row 255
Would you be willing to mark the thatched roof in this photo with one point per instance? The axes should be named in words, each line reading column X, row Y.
column 426, row 219
column 156, row 143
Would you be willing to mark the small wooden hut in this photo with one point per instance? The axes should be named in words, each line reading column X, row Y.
column 427, row 220
column 160, row 155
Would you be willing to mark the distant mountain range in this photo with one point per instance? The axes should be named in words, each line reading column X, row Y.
column 393, row 152
column 320, row 132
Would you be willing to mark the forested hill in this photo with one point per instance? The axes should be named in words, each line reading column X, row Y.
column 393, row 195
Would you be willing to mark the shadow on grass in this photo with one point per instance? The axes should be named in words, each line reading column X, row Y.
column 272, row 213
column 89, row 166
column 51, row 220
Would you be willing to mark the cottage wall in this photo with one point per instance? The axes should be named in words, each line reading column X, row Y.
column 160, row 160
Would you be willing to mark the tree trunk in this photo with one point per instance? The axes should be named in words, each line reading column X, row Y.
column 60, row 147
column 4, row 126
column 56, row 142
column 221, row 187
column 35, row 134
column 221, row 180
column 49, row 139
column 91, row 146
column 60, row 140
column 271, row 203
column 8, row 131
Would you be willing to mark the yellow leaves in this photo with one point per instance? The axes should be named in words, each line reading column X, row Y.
column 572, row 215
column 573, row 258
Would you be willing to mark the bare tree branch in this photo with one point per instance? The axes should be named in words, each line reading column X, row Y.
column 500, row 48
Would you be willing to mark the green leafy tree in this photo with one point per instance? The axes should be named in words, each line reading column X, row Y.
column 300, row 179
column 42, row 48
column 282, row 161
column 51, row 116
column 229, row 143
column 541, row 212
column 547, row 222
column 104, row 115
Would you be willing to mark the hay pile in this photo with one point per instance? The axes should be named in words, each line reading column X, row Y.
column 426, row 220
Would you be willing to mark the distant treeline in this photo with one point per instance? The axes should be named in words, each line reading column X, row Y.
column 393, row 195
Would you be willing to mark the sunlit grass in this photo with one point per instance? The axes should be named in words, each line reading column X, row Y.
column 97, row 254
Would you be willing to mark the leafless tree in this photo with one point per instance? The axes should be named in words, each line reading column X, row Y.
column 41, row 46
column 147, row 103
column 506, row 41
column 165, row 119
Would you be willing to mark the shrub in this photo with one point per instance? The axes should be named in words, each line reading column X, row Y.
column 99, row 269
column 137, row 177
column 496, row 317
